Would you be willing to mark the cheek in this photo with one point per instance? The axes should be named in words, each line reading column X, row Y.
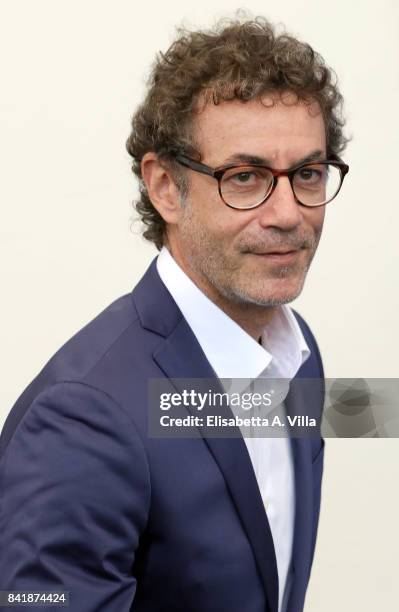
column 321, row 212
column 227, row 232
column 314, row 217
column 219, row 223
column 213, row 218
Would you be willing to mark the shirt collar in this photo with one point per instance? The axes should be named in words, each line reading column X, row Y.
column 230, row 350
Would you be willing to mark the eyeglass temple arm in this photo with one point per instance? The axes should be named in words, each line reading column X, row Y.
column 344, row 167
column 194, row 165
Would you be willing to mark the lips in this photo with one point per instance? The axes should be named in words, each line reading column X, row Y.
column 276, row 252
column 279, row 257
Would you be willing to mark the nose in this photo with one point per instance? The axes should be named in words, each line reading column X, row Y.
column 281, row 209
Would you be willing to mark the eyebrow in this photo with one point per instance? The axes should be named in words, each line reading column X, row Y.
column 246, row 158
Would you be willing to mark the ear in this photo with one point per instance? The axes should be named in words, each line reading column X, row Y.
column 161, row 188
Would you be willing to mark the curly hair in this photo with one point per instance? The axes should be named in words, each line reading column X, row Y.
column 236, row 59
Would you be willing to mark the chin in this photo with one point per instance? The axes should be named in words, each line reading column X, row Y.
column 272, row 300
column 275, row 293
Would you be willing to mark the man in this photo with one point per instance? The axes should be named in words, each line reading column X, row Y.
column 235, row 147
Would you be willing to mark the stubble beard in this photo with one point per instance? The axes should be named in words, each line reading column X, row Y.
column 207, row 258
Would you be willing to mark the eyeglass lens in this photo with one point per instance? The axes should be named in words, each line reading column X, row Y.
column 313, row 185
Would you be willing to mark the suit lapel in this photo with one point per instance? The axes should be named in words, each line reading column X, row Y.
column 181, row 357
column 297, row 403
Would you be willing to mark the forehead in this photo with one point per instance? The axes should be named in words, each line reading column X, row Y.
column 279, row 130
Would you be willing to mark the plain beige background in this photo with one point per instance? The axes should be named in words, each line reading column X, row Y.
column 72, row 73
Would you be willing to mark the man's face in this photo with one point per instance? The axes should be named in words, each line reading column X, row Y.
column 229, row 253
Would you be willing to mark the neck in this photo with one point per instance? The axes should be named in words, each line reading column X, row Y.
column 252, row 318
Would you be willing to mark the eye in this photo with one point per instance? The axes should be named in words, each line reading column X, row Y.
column 309, row 174
column 312, row 175
column 243, row 177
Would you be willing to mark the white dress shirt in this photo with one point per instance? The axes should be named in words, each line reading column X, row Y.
column 233, row 353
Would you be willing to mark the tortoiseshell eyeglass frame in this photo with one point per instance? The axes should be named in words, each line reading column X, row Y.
column 217, row 173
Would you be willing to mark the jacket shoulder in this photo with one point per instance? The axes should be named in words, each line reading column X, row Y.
column 79, row 356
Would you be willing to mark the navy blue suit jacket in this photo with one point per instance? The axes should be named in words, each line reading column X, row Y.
column 92, row 505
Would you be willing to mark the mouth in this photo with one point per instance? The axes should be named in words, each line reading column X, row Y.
column 283, row 257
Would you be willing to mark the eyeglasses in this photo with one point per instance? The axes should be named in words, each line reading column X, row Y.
column 247, row 186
